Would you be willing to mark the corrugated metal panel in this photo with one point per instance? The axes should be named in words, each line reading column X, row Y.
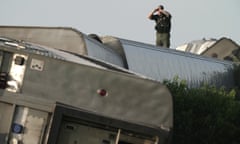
column 102, row 52
column 161, row 64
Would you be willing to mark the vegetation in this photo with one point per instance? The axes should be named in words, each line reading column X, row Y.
column 205, row 115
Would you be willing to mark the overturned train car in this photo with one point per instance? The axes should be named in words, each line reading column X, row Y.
column 52, row 96
column 153, row 62
column 59, row 85
column 165, row 64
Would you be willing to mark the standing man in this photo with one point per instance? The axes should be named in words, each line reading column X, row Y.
column 162, row 27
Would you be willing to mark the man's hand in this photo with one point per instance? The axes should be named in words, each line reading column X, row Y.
column 155, row 10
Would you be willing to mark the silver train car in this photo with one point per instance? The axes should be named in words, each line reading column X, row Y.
column 153, row 62
column 165, row 64
column 50, row 96
column 59, row 85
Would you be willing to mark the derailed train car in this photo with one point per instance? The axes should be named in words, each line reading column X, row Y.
column 53, row 96
column 69, row 87
column 154, row 62
column 164, row 64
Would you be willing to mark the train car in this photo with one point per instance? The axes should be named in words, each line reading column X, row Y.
column 153, row 62
column 50, row 96
column 162, row 64
column 59, row 85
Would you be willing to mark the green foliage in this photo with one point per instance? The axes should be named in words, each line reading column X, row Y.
column 237, row 79
column 205, row 115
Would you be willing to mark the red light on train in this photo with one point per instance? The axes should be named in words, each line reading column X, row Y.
column 102, row 92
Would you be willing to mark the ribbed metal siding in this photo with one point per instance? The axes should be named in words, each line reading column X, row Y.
column 161, row 64
column 101, row 52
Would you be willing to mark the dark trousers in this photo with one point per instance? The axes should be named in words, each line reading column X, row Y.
column 163, row 39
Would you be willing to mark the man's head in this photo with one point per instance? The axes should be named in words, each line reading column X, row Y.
column 161, row 7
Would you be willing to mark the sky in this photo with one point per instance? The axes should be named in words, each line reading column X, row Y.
column 127, row 19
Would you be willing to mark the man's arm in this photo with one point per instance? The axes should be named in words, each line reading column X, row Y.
column 152, row 13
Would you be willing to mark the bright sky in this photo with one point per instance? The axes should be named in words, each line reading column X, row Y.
column 192, row 19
